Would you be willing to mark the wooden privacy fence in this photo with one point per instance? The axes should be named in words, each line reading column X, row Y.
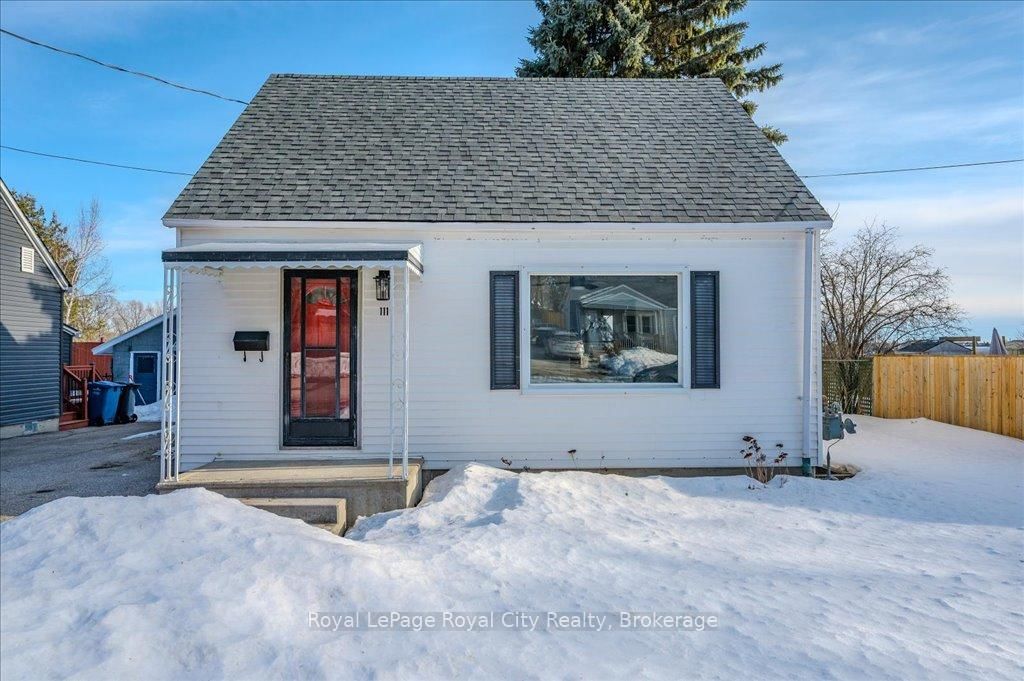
column 985, row 393
column 81, row 355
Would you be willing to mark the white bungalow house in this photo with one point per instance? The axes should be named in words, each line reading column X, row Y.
column 398, row 246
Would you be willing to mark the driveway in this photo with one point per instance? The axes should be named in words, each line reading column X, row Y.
column 86, row 462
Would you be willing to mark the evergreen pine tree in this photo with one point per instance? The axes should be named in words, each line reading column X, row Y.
column 606, row 39
column 650, row 39
column 53, row 233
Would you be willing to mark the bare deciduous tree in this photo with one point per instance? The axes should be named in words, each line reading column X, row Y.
column 87, row 270
column 877, row 295
column 93, row 315
column 128, row 314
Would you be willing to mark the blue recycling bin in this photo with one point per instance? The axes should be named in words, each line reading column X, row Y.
column 104, row 397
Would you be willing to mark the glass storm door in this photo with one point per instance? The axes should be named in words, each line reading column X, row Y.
column 320, row 358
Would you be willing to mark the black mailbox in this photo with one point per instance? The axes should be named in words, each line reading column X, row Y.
column 252, row 341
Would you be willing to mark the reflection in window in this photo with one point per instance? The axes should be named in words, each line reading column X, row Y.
column 604, row 329
column 319, row 354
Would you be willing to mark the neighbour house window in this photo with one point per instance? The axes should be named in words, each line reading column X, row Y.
column 145, row 364
column 604, row 329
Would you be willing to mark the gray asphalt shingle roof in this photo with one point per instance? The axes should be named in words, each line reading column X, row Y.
column 495, row 150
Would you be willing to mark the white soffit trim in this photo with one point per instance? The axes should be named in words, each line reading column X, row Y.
column 791, row 225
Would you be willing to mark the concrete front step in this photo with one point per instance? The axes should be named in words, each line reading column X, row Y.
column 327, row 513
column 363, row 484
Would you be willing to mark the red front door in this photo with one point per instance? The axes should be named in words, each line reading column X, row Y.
column 320, row 358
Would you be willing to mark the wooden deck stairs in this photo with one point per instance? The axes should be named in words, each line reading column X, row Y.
column 74, row 395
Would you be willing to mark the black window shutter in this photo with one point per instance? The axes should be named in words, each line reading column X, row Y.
column 704, row 330
column 504, row 330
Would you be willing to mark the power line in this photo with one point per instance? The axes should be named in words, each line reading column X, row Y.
column 122, row 69
column 175, row 172
column 909, row 170
column 96, row 163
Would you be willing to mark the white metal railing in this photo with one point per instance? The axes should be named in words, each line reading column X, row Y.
column 405, row 368
column 170, row 420
column 398, row 374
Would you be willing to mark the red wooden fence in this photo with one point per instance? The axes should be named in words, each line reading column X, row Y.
column 81, row 355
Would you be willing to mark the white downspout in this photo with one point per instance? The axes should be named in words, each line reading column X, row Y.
column 809, row 298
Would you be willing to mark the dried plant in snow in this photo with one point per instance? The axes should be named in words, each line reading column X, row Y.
column 761, row 466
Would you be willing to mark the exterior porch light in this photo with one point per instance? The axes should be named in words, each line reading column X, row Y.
column 383, row 282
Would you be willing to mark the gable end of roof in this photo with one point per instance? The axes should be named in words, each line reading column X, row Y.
column 30, row 233
column 107, row 348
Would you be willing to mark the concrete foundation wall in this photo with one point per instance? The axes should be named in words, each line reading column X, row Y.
column 30, row 428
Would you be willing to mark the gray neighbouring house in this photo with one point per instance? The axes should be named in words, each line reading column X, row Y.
column 68, row 334
column 136, row 356
column 940, row 346
column 31, row 333
column 363, row 265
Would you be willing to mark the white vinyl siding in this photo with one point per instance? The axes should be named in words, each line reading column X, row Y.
column 233, row 409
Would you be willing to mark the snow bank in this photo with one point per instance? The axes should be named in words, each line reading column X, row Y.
column 149, row 412
column 912, row 569
column 148, row 433
column 632, row 360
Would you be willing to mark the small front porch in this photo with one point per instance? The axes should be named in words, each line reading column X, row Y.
column 365, row 485
column 284, row 419
column 322, row 350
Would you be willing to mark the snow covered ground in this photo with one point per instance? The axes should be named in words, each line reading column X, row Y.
column 912, row 569
column 633, row 360
column 149, row 413
column 137, row 436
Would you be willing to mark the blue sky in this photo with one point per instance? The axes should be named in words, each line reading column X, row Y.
column 867, row 85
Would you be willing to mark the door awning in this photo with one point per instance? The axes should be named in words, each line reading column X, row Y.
column 337, row 255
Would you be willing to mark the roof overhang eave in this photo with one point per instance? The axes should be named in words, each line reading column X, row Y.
column 464, row 226
column 351, row 255
column 107, row 348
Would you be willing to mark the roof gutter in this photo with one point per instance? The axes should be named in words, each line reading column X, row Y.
column 625, row 227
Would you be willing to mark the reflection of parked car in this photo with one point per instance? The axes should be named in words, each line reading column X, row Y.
column 666, row 373
column 564, row 344
column 539, row 334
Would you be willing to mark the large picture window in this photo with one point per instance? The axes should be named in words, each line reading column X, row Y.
column 604, row 329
